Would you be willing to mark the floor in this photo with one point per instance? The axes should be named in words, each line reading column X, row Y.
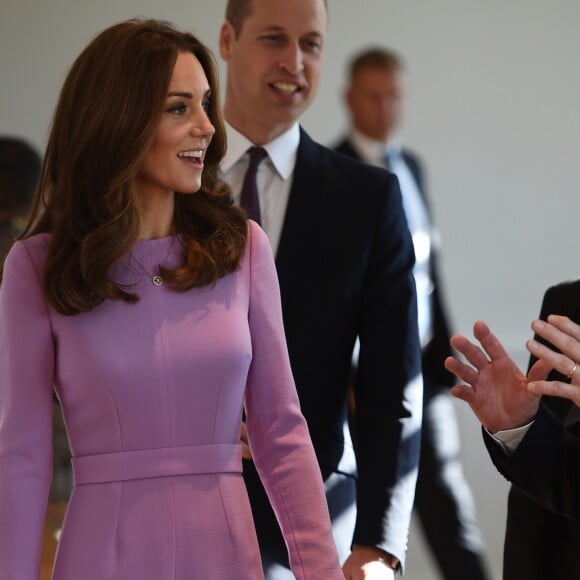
column 54, row 516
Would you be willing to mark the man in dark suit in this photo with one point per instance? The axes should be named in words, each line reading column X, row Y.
column 443, row 500
column 344, row 258
column 535, row 446
column 19, row 169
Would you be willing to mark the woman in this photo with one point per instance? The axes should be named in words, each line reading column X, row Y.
column 152, row 306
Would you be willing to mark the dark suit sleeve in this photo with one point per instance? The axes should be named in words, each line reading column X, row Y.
column 388, row 385
column 546, row 464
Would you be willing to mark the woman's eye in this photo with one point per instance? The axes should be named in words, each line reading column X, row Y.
column 179, row 109
column 205, row 105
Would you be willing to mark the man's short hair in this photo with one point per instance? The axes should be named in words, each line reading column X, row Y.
column 238, row 10
column 375, row 58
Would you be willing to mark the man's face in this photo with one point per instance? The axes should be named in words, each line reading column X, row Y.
column 375, row 100
column 274, row 65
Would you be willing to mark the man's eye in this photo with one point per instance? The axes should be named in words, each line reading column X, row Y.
column 273, row 38
column 312, row 45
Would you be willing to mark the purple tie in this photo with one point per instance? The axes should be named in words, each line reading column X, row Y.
column 249, row 199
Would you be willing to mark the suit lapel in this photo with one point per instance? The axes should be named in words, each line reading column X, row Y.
column 301, row 229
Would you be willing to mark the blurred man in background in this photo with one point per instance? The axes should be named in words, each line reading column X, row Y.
column 19, row 169
column 443, row 501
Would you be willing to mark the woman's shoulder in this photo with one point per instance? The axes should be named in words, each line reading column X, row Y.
column 257, row 253
column 33, row 249
column 258, row 243
column 256, row 235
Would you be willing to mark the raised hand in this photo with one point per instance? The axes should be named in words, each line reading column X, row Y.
column 495, row 388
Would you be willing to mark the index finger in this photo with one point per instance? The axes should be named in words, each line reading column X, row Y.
column 565, row 324
column 560, row 339
column 489, row 341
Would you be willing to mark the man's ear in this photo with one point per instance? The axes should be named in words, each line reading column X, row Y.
column 347, row 97
column 227, row 38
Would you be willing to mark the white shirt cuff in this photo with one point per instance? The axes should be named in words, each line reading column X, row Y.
column 509, row 439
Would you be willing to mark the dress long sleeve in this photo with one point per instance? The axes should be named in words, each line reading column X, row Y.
column 26, row 380
column 278, row 435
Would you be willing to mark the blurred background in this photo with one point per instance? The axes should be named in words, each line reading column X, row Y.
column 493, row 108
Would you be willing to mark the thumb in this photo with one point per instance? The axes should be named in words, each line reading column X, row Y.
column 539, row 370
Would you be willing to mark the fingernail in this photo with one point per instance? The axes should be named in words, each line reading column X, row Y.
column 539, row 324
column 531, row 387
column 532, row 344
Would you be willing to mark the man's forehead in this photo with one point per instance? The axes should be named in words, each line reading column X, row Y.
column 300, row 17
column 280, row 28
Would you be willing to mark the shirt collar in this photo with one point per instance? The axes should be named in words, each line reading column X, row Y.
column 371, row 149
column 282, row 150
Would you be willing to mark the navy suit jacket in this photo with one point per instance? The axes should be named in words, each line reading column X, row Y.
column 344, row 263
column 546, row 464
column 435, row 375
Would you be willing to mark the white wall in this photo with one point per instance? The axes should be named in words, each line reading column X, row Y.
column 493, row 108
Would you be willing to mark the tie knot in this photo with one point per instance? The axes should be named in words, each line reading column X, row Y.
column 257, row 154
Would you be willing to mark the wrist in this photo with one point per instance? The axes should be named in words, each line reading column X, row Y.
column 384, row 557
column 390, row 560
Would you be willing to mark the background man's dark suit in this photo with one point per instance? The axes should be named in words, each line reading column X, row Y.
column 434, row 373
column 540, row 543
column 345, row 262
column 443, row 501
column 19, row 170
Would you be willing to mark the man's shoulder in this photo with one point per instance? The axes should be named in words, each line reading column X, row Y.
column 346, row 170
column 567, row 291
column 413, row 160
column 344, row 146
column 411, row 155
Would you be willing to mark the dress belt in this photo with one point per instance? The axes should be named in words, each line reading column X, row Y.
column 162, row 462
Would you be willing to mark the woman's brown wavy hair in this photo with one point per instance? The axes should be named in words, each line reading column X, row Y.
column 104, row 124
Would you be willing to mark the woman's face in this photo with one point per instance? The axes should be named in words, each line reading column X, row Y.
column 175, row 160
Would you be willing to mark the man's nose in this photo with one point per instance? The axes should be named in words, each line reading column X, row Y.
column 292, row 61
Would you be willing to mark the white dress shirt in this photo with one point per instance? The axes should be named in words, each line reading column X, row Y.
column 274, row 177
column 374, row 153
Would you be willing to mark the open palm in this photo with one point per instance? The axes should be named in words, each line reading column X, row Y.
column 495, row 388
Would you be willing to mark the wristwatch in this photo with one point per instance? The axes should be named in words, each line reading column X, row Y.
column 390, row 560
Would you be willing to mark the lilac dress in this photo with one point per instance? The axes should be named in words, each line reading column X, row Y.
column 152, row 396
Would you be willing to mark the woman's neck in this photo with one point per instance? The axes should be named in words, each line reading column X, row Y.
column 155, row 217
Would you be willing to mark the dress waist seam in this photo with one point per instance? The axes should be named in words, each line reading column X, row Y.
column 161, row 462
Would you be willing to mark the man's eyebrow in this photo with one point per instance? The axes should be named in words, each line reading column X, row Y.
column 273, row 28
column 276, row 28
